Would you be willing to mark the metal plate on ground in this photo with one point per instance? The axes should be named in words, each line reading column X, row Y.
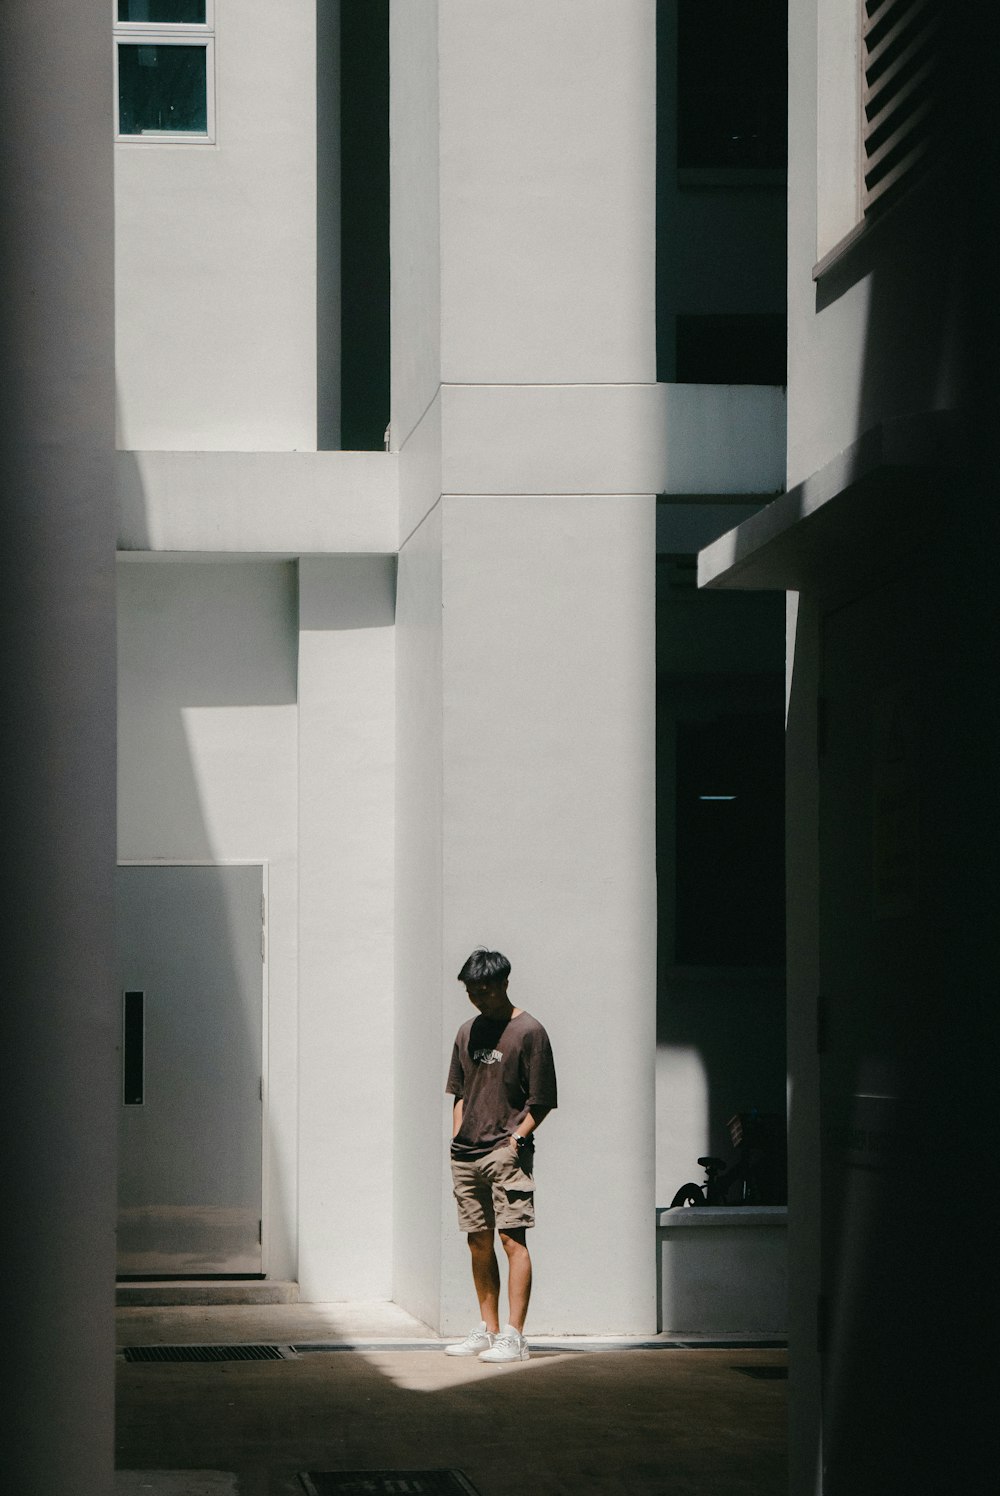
column 387, row 1483
column 732, row 1345
column 176, row 1483
column 204, row 1353
column 765, row 1373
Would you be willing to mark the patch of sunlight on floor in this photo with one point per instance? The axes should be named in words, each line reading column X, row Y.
column 433, row 1371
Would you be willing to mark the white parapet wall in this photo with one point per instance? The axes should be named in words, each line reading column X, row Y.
column 625, row 438
column 257, row 503
column 723, row 1270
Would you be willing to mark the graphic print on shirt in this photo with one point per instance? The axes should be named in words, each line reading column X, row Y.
column 496, row 1086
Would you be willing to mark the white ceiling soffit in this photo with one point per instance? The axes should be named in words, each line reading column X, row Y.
column 848, row 520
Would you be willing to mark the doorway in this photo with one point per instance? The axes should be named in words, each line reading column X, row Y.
column 192, row 969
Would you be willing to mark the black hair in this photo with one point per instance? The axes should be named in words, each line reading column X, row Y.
column 485, row 966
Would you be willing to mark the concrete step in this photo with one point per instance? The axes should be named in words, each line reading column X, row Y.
column 150, row 1293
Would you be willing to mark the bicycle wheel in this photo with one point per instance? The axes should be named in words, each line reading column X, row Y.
column 688, row 1194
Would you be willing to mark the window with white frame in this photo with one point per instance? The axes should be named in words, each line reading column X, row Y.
column 165, row 70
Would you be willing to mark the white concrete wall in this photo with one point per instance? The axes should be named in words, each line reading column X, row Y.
column 243, row 739
column 420, row 472
column 216, row 254
column 547, row 128
column 838, row 123
column 346, row 812
column 416, row 431
column 207, row 764
column 420, row 979
column 549, row 856
column 414, row 220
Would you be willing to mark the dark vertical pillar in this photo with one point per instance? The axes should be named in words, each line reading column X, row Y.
column 328, row 225
column 666, row 177
column 57, row 765
column 364, row 245
column 804, row 1039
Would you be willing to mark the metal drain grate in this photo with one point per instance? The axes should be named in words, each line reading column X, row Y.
column 203, row 1353
column 387, row 1483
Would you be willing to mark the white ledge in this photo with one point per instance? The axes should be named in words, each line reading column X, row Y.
column 691, row 439
column 721, row 1215
column 851, row 517
column 258, row 503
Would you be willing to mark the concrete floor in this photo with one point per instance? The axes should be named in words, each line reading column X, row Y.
column 578, row 1418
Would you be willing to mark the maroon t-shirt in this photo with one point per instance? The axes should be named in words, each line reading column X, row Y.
column 500, row 1068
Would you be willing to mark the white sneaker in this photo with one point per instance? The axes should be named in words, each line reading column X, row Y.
column 509, row 1345
column 477, row 1342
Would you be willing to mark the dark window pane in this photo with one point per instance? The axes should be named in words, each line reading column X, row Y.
column 133, row 1049
column 162, row 88
column 166, row 12
column 735, row 349
column 730, row 842
column 364, row 223
column 731, row 83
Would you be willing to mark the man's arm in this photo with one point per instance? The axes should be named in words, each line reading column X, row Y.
column 532, row 1119
column 456, row 1117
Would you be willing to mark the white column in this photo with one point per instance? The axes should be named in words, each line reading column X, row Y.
column 59, row 1014
column 346, row 753
column 418, row 1149
column 549, row 850
column 526, row 621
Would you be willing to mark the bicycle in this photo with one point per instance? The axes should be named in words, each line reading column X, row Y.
column 758, row 1172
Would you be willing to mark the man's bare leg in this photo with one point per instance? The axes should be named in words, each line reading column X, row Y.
column 518, row 1275
column 486, row 1277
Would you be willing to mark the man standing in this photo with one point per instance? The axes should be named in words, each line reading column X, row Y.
column 504, row 1084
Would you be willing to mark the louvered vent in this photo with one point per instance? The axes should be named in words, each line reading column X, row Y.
column 901, row 42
